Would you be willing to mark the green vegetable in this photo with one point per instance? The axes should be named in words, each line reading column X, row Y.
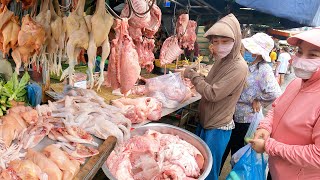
column 3, row 108
column 14, row 89
column 3, row 99
column 1, row 112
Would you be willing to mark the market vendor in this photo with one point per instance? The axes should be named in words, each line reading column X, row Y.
column 221, row 89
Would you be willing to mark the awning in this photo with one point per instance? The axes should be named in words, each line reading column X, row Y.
column 300, row 11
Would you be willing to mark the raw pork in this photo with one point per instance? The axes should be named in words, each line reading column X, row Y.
column 189, row 38
column 170, row 50
column 156, row 156
column 123, row 69
column 182, row 24
column 140, row 109
column 145, row 52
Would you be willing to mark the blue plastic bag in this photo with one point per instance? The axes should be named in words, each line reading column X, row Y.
column 251, row 166
column 34, row 94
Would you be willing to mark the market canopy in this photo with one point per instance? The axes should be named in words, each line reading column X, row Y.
column 305, row 12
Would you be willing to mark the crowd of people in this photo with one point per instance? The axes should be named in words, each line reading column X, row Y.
column 241, row 84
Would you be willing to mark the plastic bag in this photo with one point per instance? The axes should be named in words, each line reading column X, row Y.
column 236, row 156
column 254, row 124
column 34, row 94
column 251, row 166
column 169, row 89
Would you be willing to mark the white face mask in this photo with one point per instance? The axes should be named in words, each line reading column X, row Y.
column 304, row 68
column 223, row 50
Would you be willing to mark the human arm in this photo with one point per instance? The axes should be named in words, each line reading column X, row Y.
column 219, row 90
column 300, row 155
column 270, row 89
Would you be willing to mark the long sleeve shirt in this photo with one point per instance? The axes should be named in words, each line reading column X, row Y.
column 294, row 124
column 260, row 85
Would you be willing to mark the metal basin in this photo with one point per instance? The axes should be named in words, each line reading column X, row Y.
column 183, row 134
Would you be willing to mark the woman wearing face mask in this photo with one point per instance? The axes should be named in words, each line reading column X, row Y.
column 221, row 89
column 290, row 134
column 261, row 88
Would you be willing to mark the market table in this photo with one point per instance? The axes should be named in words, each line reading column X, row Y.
column 92, row 166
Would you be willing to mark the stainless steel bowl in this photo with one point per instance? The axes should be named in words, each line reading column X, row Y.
column 183, row 134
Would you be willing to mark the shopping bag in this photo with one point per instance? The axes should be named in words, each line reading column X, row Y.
column 254, row 125
column 236, row 156
column 251, row 166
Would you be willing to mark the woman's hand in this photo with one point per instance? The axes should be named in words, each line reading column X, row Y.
column 258, row 145
column 261, row 133
column 256, row 106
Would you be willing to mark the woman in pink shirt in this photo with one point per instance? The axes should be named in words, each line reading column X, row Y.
column 290, row 133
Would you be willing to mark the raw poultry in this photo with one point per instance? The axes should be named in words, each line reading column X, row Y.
column 46, row 165
column 57, row 41
column 30, row 40
column 9, row 29
column 78, row 38
column 170, row 50
column 23, row 169
column 156, row 155
column 140, row 109
column 26, row 4
column 85, row 111
column 69, row 168
column 123, row 69
column 99, row 37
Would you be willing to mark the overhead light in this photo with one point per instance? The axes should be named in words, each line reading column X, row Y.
column 249, row 9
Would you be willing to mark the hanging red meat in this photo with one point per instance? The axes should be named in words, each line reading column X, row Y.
column 145, row 52
column 170, row 50
column 182, row 23
column 154, row 23
column 189, row 38
column 123, row 69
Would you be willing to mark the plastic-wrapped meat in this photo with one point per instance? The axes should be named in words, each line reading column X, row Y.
column 182, row 23
column 169, row 89
column 190, row 37
column 170, row 50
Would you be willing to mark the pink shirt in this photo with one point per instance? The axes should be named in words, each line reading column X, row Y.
column 294, row 145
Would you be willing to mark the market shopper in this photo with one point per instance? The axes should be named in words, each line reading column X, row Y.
column 221, row 89
column 290, row 133
column 260, row 90
column 283, row 64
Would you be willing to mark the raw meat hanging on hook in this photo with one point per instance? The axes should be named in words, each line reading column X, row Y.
column 123, row 69
column 170, row 50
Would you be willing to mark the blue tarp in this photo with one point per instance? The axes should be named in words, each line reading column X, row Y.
column 302, row 11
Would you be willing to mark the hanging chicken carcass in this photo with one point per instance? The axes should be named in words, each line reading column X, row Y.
column 31, row 38
column 58, row 33
column 123, row 69
column 99, row 37
column 26, row 4
column 9, row 29
column 78, row 38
